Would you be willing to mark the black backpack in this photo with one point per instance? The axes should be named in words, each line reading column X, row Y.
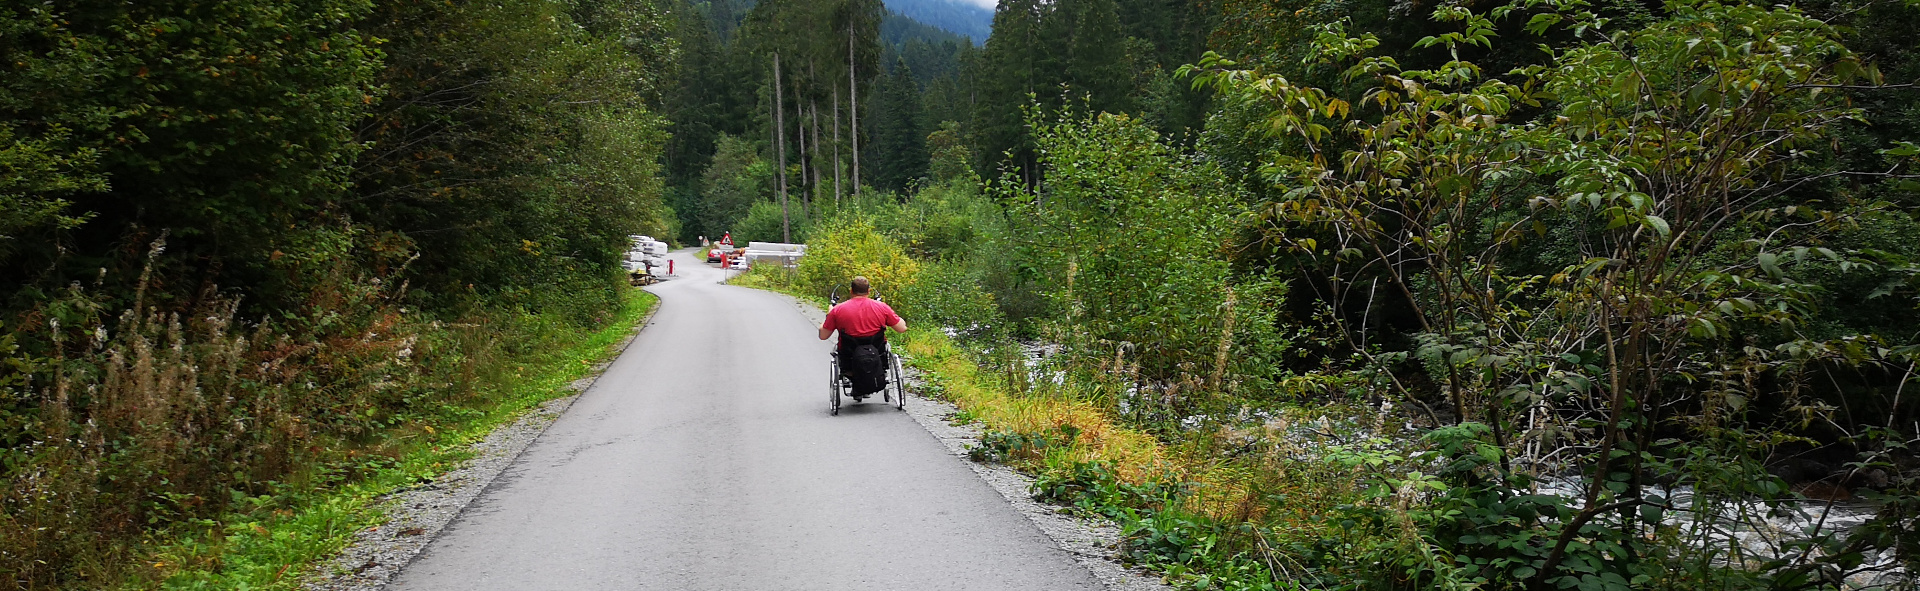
column 868, row 365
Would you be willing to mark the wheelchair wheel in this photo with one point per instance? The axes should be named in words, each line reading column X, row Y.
column 833, row 386
column 899, row 384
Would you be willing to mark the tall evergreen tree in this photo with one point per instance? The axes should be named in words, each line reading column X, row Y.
column 1098, row 66
column 901, row 146
column 707, row 99
column 1007, row 76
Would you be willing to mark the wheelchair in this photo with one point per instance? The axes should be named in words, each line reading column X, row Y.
column 840, row 385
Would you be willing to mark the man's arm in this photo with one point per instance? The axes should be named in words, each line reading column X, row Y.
column 825, row 333
column 899, row 325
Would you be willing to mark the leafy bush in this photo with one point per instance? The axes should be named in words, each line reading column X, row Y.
column 1131, row 244
column 364, row 205
column 849, row 246
column 1620, row 276
column 949, row 295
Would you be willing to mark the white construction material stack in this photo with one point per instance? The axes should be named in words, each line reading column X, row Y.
column 783, row 253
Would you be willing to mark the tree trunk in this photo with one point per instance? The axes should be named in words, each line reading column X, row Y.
column 800, row 141
column 813, row 112
column 780, row 147
column 853, row 109
column 836, row 147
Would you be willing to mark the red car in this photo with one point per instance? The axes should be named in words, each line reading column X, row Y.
column 719, row 248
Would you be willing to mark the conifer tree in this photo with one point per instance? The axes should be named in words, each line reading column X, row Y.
column 902, row 154
column 1006, row 80
column 1097, row 63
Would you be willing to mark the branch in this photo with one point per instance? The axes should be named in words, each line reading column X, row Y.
column 1858, row 86
column 1573, row 528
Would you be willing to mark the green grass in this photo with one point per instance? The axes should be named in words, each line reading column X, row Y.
column 279, row 539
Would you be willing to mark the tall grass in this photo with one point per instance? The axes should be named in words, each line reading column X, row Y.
column 152, row 422
column 1224, row 506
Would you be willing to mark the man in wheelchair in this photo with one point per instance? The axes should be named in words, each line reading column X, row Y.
column 862, row 322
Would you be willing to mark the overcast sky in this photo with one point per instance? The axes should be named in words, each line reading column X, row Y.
column 987, row 4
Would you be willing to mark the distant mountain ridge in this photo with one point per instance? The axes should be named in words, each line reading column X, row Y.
column 896, row 30
column 956, row 16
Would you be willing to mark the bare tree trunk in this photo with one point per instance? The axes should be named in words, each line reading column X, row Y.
column 780, row 143
column 813, row 111
column 800, row 141
column 836, row 147
column 853, row 109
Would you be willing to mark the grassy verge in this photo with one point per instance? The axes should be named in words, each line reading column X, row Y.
column 279, row 537
column 1203, row 510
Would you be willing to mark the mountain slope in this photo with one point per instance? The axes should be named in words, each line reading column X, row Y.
column 968, row 20
column 929, row 51
column 897, row 29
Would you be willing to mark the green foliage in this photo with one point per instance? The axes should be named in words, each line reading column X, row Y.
column 1094, row 489
column 33, row 176
column 1573, row 256
column 1105, row 55
column 763, row 224
column 950, row 158
column 1568, row 275
column 226, row 124
column 843, row 248
column 1001, row 447
column 514, row 149
column 1134, row 242
column 900, row 151
column 950, row 295
column 735, row 187
column 705, row 98
column 250, row 239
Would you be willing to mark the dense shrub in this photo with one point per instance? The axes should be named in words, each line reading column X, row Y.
column 242, row 243
column 949, row 295
column 846, row 247
column 1132, row 244
column 149, row 415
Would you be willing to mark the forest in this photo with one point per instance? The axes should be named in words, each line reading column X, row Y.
column 1542, row 294
column 1534, row 294
column 257, row 253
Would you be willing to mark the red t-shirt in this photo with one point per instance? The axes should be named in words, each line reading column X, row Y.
column 860, row 317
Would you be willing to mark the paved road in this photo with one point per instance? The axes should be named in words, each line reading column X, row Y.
column 675, row 473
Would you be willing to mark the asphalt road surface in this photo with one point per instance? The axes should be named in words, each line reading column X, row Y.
column 705, row 459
